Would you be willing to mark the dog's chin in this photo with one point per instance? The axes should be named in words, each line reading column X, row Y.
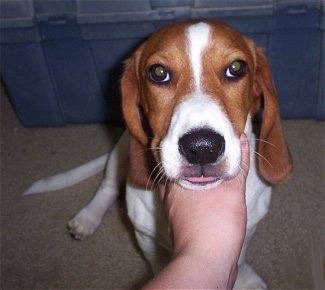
column 200, row 183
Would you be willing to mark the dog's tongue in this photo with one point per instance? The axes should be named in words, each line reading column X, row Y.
column 202, row 179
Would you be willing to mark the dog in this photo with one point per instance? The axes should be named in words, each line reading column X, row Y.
column 188, row 93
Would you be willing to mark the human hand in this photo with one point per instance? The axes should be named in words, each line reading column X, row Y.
column 208, row 229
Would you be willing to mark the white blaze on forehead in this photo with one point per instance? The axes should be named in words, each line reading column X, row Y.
column 198, row 38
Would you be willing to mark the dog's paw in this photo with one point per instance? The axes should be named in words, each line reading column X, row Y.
column 83, row 225
column 248, row 279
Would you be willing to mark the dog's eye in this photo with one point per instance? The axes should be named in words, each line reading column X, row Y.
column 159, row 74
column 236, row 69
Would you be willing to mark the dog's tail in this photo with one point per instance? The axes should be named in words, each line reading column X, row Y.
column 70, row 177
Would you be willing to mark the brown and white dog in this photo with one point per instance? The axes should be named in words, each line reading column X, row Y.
column 188, row 93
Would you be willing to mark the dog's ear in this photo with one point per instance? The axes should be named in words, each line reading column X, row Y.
column 275, row 163
column 140, row 164
column 140, row 158
column 131, row 99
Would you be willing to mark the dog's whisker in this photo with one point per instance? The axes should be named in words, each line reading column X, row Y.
column 260, row 155
column 243, row 164
column 264, row 158
column 160, row 175
column 158, row 168
column 151, row 174
column 266, row 142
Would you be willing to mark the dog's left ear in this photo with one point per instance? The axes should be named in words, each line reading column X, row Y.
column 274, row 160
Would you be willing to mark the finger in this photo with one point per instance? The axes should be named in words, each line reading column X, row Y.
column 245, row 156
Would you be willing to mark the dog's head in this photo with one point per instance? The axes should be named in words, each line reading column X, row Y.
column 188, row 93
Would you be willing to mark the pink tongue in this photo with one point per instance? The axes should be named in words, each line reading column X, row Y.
column 201, row 179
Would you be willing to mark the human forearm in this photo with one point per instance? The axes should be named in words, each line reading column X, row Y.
column 198, row 272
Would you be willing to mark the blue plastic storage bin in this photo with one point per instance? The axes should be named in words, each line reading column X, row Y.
column 295, row 51
column 61, row 60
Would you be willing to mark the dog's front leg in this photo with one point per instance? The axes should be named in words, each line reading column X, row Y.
column 87, row 220
column 147, row 215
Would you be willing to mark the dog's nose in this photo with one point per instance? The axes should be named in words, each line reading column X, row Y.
column 202, row 146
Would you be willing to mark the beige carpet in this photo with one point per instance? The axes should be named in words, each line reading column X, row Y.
column 37, row 253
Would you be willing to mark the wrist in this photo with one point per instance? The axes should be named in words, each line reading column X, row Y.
column 207, row 244
column 218, row 271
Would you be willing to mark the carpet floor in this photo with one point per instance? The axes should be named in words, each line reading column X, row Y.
column 37, row 252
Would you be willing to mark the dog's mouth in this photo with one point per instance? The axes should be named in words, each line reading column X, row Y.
column 199, row 183
column 202, row 180
column 200, row 177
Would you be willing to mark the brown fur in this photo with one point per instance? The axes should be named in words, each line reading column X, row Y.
column 148, row 108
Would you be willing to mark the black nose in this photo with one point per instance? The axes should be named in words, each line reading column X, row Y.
column 202, row 146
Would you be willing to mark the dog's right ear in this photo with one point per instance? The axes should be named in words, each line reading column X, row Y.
column 140, row 164
column 131, row 100
column 140, row 160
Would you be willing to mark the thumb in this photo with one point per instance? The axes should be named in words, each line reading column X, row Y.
column 245, row 156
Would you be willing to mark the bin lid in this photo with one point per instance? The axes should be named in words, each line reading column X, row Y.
column 112, row 11
column 26, row 13
column 16, row 13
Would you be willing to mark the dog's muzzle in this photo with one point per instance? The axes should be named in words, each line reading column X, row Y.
column 202, row 149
